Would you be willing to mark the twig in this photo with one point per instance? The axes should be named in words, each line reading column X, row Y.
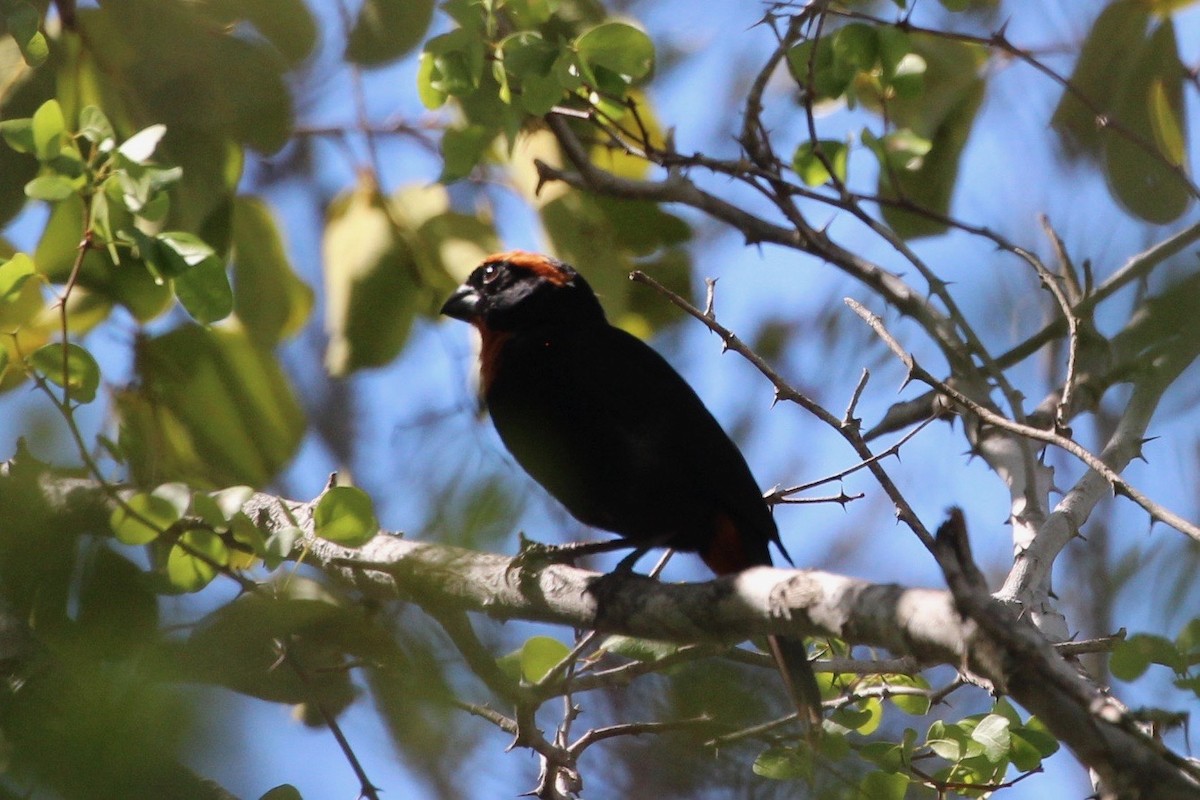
column 1119, row 484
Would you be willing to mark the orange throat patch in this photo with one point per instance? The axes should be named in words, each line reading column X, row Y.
column 491, row 343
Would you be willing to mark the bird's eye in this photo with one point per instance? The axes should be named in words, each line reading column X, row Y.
column 490, row 273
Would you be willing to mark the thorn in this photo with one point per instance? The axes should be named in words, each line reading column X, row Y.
column 331, row 483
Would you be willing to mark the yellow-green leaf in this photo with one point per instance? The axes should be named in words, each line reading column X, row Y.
column 82, row 371
column 345, row 515
column 142, row 519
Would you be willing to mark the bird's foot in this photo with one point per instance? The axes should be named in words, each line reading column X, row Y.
column 534, row 554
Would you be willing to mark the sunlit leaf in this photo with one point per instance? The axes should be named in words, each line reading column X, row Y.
column 49, row 130
column 13, row 274
column 142, row 519
column 345, row 515
column 212, row 409
column 270, row 299
column 371, row 282
column 82, row 375
column 539, row 655
column 619, row 48
column 195, row 560
column 812, row 170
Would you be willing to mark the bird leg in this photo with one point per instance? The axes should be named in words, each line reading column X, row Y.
column 532, row 552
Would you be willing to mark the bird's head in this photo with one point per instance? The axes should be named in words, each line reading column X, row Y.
column 518, row 291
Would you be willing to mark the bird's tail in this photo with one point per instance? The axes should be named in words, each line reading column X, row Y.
column 792, row 657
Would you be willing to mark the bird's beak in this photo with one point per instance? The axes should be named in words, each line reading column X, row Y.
column 463, row 304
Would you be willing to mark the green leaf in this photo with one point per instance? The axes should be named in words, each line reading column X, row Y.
column 194, row 561
column 784, row 764
column 50, row 187
column 49, row 130
column 13, row 274
column 280, row 545
column 22, row 22
column 639, row 649
column 94, row 126
column 1106, row 59
column 387, row 29
column 212, row 409
column 815, row 63
column 1133, row 656
column 619, row 48
column 463, row 149
column 270, row 299
column 431, row 96
column 992, row 732
column 1150, row 104
column 286, row 24
column 921, row 159
column 82, row 372
column 18, row 134
column 810, row 168
column 142, row 519
column 345, row 515
column 203, row 290
column 284, row 791
column 539, row 655
column 884, row 786
column 371, row 282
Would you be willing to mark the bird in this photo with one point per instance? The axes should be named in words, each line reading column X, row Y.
column 608, row 427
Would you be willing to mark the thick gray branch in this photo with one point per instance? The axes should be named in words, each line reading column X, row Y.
column 922, row 623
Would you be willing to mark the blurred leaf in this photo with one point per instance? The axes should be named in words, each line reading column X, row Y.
column 23, row 90
column 13, row 274
column 345, row 515
column 1133, row 656
column 286, row 24
column 387, row 29
column 212, row 410
column 183, row 70
column 884, row 786
column 1149, row 103
column 49, row 130
column 942, row 115
column 639, row 649
column 371, row 287
column 270, row 299
column 194, row 560
column 784, row 764
column 284, row 791
column 812, row 170
column 22, row 22
column 617, row 47
column 239, row 646
column 539, row 655
column 142, row 519
column 50, row 187
column 18, row 134
column 82, row 374
column 116, row 605
column 463, row 149
column 1104, row 62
